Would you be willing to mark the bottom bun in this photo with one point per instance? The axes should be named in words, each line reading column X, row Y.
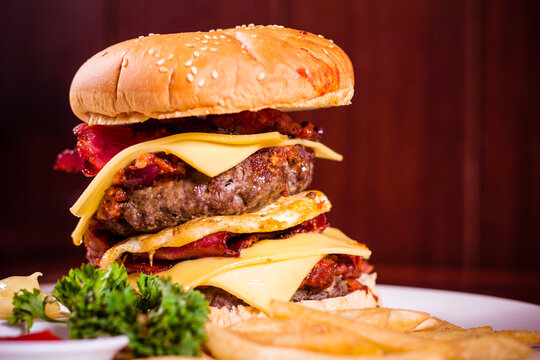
column 358, row 299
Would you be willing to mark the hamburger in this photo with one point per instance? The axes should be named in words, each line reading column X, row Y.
column 201, row 175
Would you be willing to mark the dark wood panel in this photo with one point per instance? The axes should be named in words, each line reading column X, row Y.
column 511, row 166
column 404, row 132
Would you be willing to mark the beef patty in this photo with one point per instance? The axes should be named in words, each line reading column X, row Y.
column 220, row 298
column 170, row 201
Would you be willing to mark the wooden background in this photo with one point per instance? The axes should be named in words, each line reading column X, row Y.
column 441, row 176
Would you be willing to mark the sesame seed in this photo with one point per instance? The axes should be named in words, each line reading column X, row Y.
column 157, row 55
column 194, row 70
column 196, row 54
column 213, row 49
column 237, row 27
column 216, row 42
column 170, row 56
column 204, row 48
column 150, row 34
column 189, row 62
column 206, row 36
column 244, row 25
column 190, row 77
column 197, row 38
column 280, row 26
column 160, row 62
column 219, row 29
column 214, row 74
column 205, row 41
column 331, row 46
column 212, row 30
column 243, row 46
column 331, row 40
column 253, row 35
column 163, row 69
column 189, row 45
column 320, row 36
column 141, row 37
column 150, row 52
column 222, row 36
column 124, row 62
column 214, row 37
column 261, row 76
column 221, row 102
column 251, row 25
column 201, row 82
column 325, row 51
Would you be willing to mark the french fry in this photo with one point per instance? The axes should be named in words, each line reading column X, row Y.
column 435, row 324
column 224, row 344
column 304, row 335
column 451, row 334
column 490, row 346
column 373, row 316
column 428, row 324
column 524, row 336
column 397, row 319
column 406, row 320
column 386, row 338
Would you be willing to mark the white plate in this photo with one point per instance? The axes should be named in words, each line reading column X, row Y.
column 464, row 309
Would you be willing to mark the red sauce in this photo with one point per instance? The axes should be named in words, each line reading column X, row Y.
column 45, row 335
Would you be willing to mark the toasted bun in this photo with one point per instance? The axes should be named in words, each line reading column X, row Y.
column 359, row 299
column 218, row 72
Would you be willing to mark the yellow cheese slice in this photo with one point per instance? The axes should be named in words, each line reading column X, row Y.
column 211, row 154
column 259, row 284
column 282, row 214
column 193, row 273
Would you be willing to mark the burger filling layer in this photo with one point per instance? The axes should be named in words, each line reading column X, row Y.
column 159, row 191
column 333, row 276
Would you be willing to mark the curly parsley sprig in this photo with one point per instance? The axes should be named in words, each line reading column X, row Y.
column 159, row 319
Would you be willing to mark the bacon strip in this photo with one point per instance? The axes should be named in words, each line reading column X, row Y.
column 218, row 244
column 97, row 144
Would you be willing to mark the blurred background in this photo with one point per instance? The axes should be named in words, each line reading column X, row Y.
column 441, row 176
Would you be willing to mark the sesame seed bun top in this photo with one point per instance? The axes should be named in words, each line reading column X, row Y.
column 216, row 72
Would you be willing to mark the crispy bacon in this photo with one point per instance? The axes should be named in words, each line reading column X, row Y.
column 69, row 161
column 349, row 267
column 218, row 244
column 97, row 144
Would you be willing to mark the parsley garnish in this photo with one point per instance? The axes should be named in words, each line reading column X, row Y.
column 160, row 319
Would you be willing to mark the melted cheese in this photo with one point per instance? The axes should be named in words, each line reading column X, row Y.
column 193, row 273
column 259, row 284
column 282, row 214
column 211, row 154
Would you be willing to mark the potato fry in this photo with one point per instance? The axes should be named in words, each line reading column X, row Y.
column 428, row 324
column 372, row 316
column 490, row 346
column 406, row 320
column 451, row 335
column 224, row 344
column 386, row 338
column 304, row 335
column 397, row 319
column 524, row 336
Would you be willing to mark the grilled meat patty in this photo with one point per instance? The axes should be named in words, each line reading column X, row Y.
column 184, row 193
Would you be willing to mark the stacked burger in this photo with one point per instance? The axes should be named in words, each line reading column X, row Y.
column 200, row 175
